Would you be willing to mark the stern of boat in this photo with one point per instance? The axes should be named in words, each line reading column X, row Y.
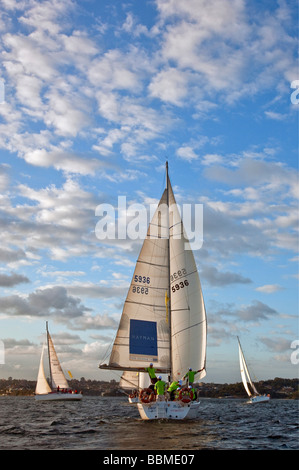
column 168, row 410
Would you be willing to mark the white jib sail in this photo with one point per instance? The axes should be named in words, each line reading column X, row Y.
column 134, row 380
column 243, row 370
column 42, row 386
column 188, row 315
column 57, row 375
column 248, row 375
column 143, row 333
column 247, row 378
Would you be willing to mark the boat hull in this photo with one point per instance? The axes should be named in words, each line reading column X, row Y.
column 133, row 400
column 59, row 397
column 259, row 399
column 168, row 410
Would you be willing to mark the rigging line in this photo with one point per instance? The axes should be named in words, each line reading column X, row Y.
column 129, row 382
column 177, row 223
column 153, row 264
column 180, row 309
column 154, row 287
column 144, row 304
column 151, row 308
column 188, row 327
column 185, row 275
column 106, row 353
column 160, row 347
column 155, row 237
column 158, row 225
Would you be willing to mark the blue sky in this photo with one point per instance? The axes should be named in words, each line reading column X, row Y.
column 98, row 94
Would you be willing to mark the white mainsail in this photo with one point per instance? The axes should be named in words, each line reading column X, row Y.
column 42, row 385
column 245, row 373
column 163, row 319
column 57, row 376
column 143, row 334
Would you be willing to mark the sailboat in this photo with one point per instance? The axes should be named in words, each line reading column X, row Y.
column 164, row 318
column 59, row 389
column 131, row 383
column 254, row 395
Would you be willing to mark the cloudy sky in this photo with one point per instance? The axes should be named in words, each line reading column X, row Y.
column 96, row 96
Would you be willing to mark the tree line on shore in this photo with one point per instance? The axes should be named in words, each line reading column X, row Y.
column 277, row 388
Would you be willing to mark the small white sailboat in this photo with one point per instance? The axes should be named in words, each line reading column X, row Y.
column 164, row 319
column 254, row 396
column 132, row 383
column 59, row 389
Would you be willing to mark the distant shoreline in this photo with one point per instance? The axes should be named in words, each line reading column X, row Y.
column 277, row 388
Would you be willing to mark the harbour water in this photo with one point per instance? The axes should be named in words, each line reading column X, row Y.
column 102, row 423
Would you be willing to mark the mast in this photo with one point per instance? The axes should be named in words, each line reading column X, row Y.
column 49, row 354
column 169, row 305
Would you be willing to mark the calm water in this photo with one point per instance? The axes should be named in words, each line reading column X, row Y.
column 98, row 423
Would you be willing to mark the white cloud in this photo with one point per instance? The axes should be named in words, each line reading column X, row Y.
column 269, row 288
column 44, row 303
column 187, row 153
column 212, row 158
column 170, row 85
column 220, row 279
column 255, row 172
column 114, row 71
column 275, row 116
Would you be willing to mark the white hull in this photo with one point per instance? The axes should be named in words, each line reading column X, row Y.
column 59, row 397
column 133, row 400
column 259, row 399
column 168, row 410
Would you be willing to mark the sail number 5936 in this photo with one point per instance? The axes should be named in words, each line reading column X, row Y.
column 142, row 279
column 140, row 290
column 179, row 285
column 178, row 274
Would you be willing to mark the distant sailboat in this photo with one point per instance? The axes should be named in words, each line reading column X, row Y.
column 59, row 389
column 254, row 395
column 164, row 319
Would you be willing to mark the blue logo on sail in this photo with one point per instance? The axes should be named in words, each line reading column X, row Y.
column 143, row 340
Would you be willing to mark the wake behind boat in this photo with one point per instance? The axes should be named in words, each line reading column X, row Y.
column 254, row 395
column 59, row 390
column 164, row 319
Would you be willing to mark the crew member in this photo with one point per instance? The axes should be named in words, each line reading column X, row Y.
column 190, row 376
column 152, row 373
column 192, row 389
column 160, row 389
column 172, row 389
